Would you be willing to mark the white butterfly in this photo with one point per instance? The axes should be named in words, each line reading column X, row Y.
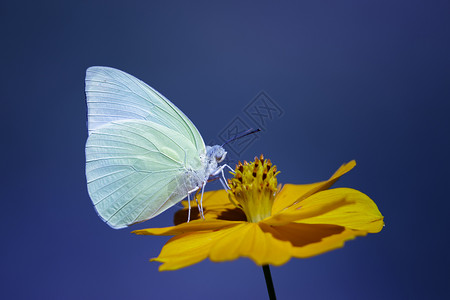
column 143, row 155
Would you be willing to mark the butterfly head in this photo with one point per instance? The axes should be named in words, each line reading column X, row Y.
column 216, row 152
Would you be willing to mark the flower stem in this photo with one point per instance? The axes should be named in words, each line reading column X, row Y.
column 269, row 282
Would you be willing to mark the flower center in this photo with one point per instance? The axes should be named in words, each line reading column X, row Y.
column 254, row 187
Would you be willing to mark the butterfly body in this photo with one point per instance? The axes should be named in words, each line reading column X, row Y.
column 143, row 155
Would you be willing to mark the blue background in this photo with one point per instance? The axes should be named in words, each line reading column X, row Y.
column 363, row 80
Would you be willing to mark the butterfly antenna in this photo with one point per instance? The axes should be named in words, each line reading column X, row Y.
column 243, row 134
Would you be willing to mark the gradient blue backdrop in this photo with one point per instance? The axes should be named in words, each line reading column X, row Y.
column 363, row 80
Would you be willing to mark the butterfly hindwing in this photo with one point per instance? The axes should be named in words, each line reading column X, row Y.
column 136, row 169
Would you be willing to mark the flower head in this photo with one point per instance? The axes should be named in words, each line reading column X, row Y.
column 253, row 188
column 266, row 223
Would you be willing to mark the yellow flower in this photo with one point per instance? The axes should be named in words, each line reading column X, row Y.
column 266, row 223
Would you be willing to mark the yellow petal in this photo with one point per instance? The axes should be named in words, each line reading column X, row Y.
column 215, row 213
column 360, row 214
column 196, row 225
column 342, row 206
column 215, row 206
column 187, row 249
column 327, row 244
column 291, row 193
column 248, row 240
column 312, row 239
column 300, row 235
column 211, row 198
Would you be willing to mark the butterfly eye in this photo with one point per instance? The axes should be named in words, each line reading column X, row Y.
column 220, row 156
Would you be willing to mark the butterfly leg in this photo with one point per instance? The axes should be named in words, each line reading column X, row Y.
column 189, row 202
column 201, row 200
column 189, row 213
column 231, row 169
column 223, row 175
column 223, row 184
column 220, row 170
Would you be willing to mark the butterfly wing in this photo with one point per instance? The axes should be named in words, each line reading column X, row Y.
column 114, row 95
column 136, row 169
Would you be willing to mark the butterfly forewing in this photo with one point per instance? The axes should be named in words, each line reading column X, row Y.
column 114, row 95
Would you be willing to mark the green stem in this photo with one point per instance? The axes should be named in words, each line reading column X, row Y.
column 269, row 282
